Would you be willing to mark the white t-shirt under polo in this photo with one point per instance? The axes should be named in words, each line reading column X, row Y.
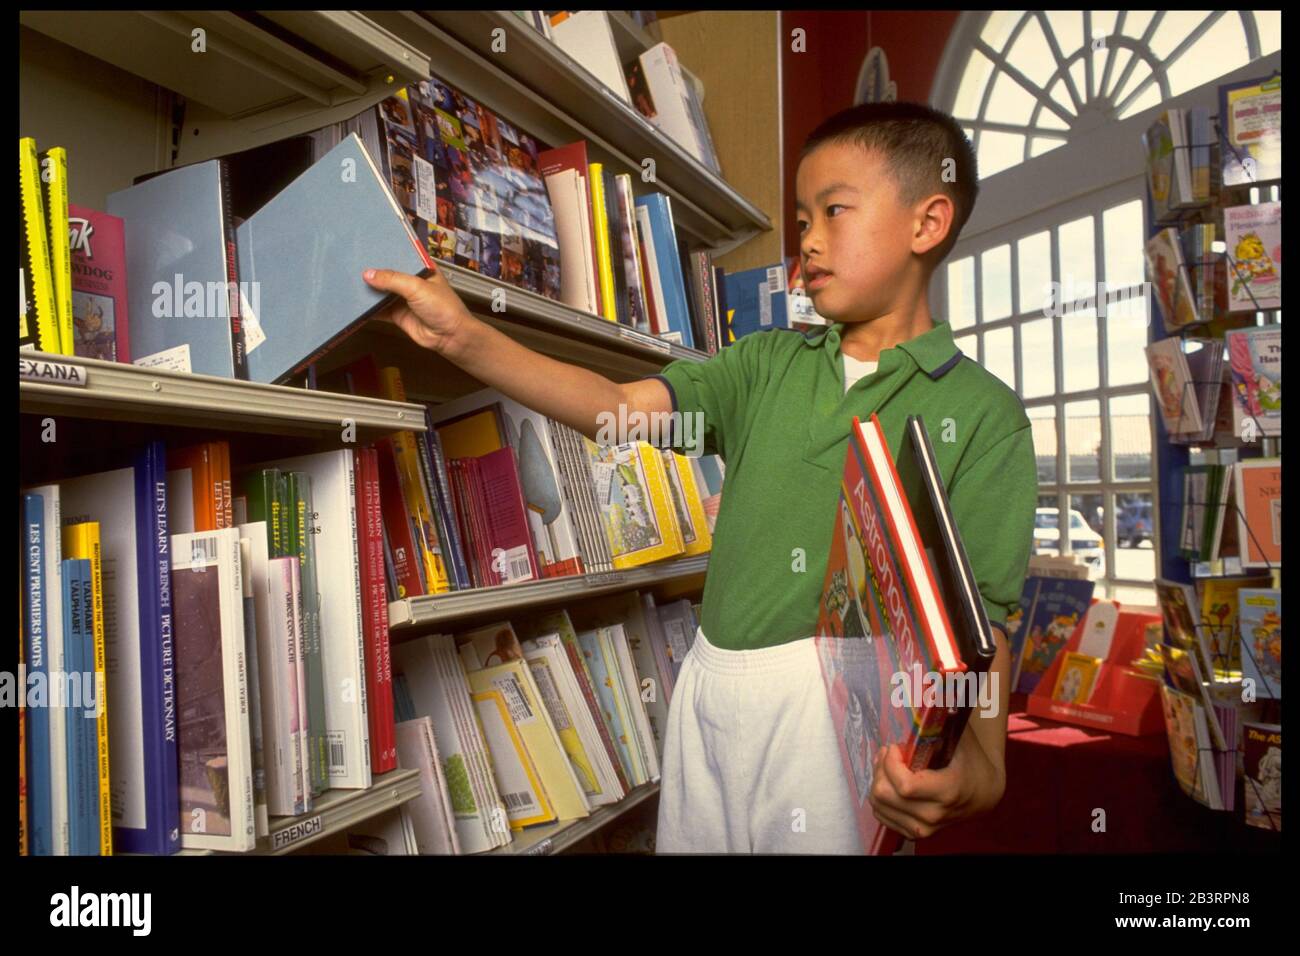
column 855, row 369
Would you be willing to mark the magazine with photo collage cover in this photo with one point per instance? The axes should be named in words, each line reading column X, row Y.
column 470, row 184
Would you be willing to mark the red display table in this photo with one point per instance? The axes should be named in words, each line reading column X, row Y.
column 1059, row 774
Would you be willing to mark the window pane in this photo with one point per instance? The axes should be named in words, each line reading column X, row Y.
column 1042, row 422
column 1031, row 55
column 961, row 293
column 1078, row 260
column 995, row 279
column 1068, row 27
column 1103, row 26
column 1223, row 45
column 1034, row 262
column 1131, row 597
column 1042, row 144
column 1047, row 526
column 1269, row 25
column 1135, row 556
column 1173, row 30
column 1120, row 61
column 999, row 355
column 968, row 346
column 1079, row 75
column 1083, row 441
column 999, row 26
column 999, row 151
column 1087, row 519
column 971, row 91
column 1079, row 351
column 1130, row 437
column 1122, row 242
column 1037, row 361
column 1126, row 338
column 1010, row 102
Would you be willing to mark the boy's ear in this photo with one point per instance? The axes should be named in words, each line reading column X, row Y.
column 934, row 216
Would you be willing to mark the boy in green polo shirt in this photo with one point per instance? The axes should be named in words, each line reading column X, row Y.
column 751, row 762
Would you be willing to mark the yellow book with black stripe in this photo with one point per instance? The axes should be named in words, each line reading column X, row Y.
column 38, row 326
column 604, row 259
column 635, row 503
column 414, row 489
column 536, row 733
column 54, row 183
column 82, row 541
column 689, row 506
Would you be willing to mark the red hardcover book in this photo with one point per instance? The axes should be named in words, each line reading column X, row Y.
column 362, row 377
column 101, row 326
column 368, row 614
column 379, row 607
column 890, row 598
column 574, row 156
column 507, row 517
column 482, row 529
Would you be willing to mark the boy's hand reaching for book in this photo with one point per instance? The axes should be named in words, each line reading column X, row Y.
column 918, row 803
column 428, row 310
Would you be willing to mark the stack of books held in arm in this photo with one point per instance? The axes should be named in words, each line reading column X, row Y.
column 903, row 638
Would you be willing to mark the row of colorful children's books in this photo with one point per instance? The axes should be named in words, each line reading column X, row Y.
column 1230, row 627
column 243, row 629
column 538, row 721
column 1180, row 167
column 1233, row 511
column 1195, row 284
column 495, row 493
column 1221, row 391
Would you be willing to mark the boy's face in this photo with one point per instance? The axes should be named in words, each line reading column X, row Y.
column 855, row 238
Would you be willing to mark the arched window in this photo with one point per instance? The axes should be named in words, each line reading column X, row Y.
column 1023, row 83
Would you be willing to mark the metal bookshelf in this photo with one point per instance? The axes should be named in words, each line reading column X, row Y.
column 438, row 609
column 557, row 837
column 541, row 89
column 120, row 392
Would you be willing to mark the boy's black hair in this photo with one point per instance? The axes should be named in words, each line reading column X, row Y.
column 915, row 140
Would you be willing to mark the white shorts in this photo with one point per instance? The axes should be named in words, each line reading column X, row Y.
column 751, row 761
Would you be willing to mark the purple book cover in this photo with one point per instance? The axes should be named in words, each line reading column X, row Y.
column 200, row 692
column 157, row 672
column 99, row 303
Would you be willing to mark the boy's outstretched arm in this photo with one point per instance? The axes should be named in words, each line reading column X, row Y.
column 433, row 315
column 916, row 804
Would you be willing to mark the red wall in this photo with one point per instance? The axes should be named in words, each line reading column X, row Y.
column 820, row 81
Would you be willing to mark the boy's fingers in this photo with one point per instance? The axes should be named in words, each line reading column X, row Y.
column 388, row 280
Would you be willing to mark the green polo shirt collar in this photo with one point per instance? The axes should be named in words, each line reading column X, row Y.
column 934, row 351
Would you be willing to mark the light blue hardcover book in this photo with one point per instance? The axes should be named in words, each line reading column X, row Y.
column 602, row 682
column 179, row 270
column 39, row 812
column 670, row 264
column 302, row 255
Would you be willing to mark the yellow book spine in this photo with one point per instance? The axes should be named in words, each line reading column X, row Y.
column 604, row 261
column 417, row 503
column 38, row 246
column 82, row 541
column 54, row 179
column 661, row 499
column 700, row 538
column 543, row 744
column 482, row 692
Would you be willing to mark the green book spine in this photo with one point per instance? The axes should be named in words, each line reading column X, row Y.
column 300, row 489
